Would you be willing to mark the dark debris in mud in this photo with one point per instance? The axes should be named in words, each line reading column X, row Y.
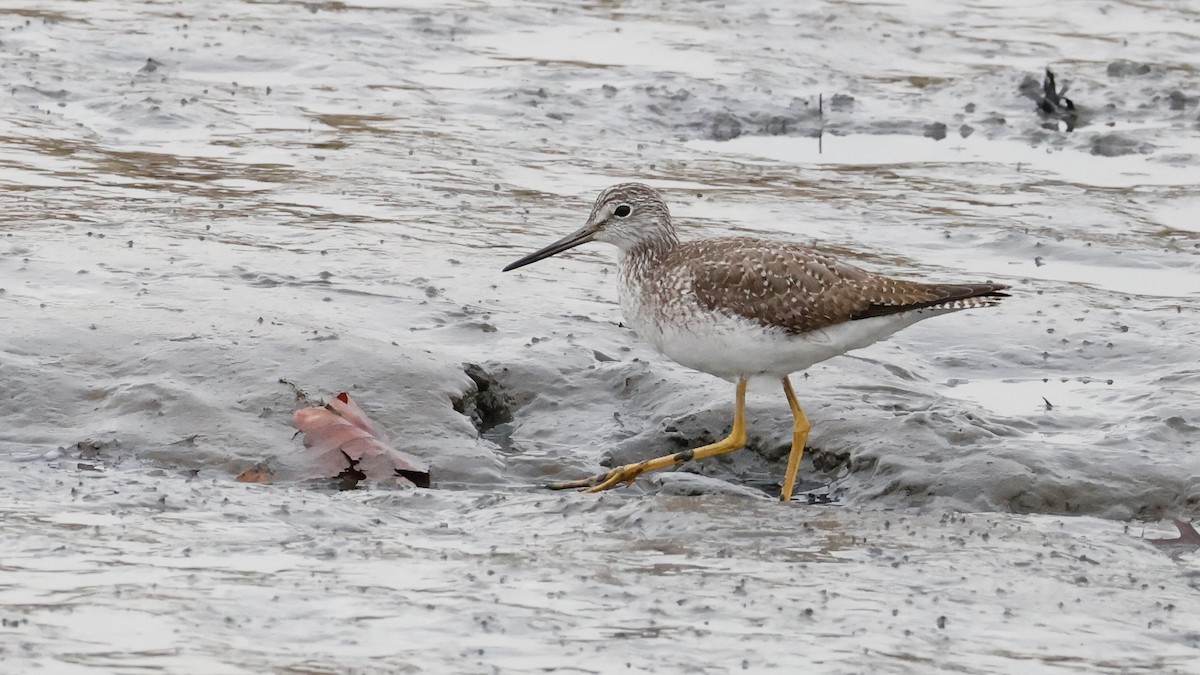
column 486, row 404
column 1177, row 100
column 936, row 131
column 93, row 449
column 711, row 113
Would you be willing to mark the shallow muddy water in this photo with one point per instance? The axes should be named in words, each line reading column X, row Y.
column 210, row 205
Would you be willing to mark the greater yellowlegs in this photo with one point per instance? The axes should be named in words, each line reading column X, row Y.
column 739, row 308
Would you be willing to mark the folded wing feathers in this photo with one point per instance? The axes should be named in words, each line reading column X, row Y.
column 933, row 296
column 795, row 288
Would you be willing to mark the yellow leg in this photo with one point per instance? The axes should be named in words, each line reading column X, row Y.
column 628, row 472
column 800, row 427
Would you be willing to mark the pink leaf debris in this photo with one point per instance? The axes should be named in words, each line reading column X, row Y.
column 1188, row 539
column 343, row 442
column 349, row 410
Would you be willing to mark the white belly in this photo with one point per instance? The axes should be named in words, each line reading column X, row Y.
column 732, row 347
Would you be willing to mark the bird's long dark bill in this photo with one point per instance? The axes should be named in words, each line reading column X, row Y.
column 570, row 241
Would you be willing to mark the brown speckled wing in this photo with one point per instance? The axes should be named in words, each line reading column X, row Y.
column 792, row 287
column 941, row 296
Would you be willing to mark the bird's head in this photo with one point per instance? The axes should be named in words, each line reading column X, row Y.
column 627, row 215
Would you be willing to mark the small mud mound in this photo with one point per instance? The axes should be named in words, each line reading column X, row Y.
column 1116, row 145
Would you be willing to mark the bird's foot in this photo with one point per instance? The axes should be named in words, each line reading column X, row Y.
column 604, row 481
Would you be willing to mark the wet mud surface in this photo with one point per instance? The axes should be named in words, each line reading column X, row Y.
column 210, row 206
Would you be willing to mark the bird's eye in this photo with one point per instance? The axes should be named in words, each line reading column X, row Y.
column 622, row 211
